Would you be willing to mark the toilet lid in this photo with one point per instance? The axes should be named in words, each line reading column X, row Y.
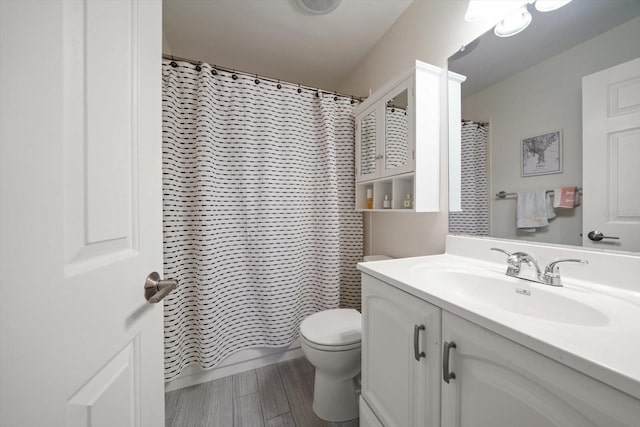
column 340, row 326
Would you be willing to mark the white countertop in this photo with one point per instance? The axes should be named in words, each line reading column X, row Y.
column 607, row 350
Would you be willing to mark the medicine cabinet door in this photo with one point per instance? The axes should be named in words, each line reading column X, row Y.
column 367, row 135
column 398, row 151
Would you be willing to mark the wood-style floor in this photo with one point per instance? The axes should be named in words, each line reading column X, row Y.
column 274, row 396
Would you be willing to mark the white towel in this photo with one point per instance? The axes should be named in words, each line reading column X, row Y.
column 533, row 209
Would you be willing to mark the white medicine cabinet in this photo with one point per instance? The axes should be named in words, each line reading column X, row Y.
column 398, row 144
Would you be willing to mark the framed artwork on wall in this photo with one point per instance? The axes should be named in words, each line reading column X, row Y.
column 542, row 154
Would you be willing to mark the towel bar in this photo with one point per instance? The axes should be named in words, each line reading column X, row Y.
column 505, row 195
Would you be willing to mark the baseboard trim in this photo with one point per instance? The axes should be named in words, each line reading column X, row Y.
column 196, row 375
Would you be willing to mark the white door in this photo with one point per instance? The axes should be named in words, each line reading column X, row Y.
column 80, row 213
column 611, row 151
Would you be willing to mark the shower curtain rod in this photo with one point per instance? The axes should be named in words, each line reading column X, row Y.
column 235, row 70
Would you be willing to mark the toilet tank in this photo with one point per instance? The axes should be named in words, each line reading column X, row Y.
column 368, row 258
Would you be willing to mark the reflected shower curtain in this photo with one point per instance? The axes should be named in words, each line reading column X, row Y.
column 474, row 218
column 396, row 135
column 259, row 221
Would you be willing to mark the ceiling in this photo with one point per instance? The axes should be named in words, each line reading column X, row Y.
column 550, row 33
column 277, row 38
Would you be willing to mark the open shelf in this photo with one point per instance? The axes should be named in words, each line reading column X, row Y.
column 396, row 188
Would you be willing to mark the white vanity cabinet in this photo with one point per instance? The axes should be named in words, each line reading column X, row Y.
column 398, row 143
column 492, row 381
column 501, row 383
column 400, row 358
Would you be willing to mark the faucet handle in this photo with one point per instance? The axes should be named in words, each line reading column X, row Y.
column 553, row 267
column 513, row 262
column 502, row 250
column 552, row 271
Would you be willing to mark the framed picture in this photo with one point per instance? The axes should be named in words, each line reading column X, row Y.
column 542, row 154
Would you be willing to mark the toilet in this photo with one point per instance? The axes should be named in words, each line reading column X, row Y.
column 331, row 341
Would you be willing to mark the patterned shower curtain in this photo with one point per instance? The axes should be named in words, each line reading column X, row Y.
column 474, row 218
column 259, row 221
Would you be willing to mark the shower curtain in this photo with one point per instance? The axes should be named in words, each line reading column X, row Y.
column 259, row 221
column 474, row 218
column 396, row 135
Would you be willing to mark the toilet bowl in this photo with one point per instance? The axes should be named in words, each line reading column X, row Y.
column 330, row 340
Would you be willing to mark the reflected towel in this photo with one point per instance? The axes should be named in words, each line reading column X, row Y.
column 565, row 197
column 533, row 209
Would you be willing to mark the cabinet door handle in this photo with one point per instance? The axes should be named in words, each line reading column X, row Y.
column 446, row 375
column 416, row 342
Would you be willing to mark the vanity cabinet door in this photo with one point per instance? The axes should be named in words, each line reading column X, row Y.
column 402, row 390
column 500, row 383
column 367, row 417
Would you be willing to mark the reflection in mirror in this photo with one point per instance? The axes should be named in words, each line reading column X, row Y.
column 528, row 86
column 368, row 147
column 396, row 131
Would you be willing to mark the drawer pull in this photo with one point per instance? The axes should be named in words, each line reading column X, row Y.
column 416, row 342
column 446, row 375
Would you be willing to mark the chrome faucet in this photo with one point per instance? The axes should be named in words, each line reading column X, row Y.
column 552, row 271
column 514, row 264
column 551, row 275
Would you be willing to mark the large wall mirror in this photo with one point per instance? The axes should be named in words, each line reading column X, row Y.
column 522, row 127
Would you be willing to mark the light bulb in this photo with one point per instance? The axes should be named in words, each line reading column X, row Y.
column 549, row 5
column 491, row 10
column 514, row 23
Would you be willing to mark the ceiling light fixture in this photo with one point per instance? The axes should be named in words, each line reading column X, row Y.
column 491, row 10
column 318, row 7
column 549, row 5
column 514, row 23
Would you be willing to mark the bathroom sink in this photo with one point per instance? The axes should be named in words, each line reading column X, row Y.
column 516, row 296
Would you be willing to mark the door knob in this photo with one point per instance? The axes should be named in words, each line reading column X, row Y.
column 156, row 289
column 596, row 236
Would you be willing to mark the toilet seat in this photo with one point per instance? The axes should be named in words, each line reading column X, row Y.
column 331, row 347
column 338, row 329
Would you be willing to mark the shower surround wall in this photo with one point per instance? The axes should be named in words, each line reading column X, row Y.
column 259, row 226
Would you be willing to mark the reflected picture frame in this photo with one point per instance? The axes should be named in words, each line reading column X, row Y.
column 541, row 154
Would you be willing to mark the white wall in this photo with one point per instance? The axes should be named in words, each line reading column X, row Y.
column 543, row 98
column 165, row 45
column 429, row 31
